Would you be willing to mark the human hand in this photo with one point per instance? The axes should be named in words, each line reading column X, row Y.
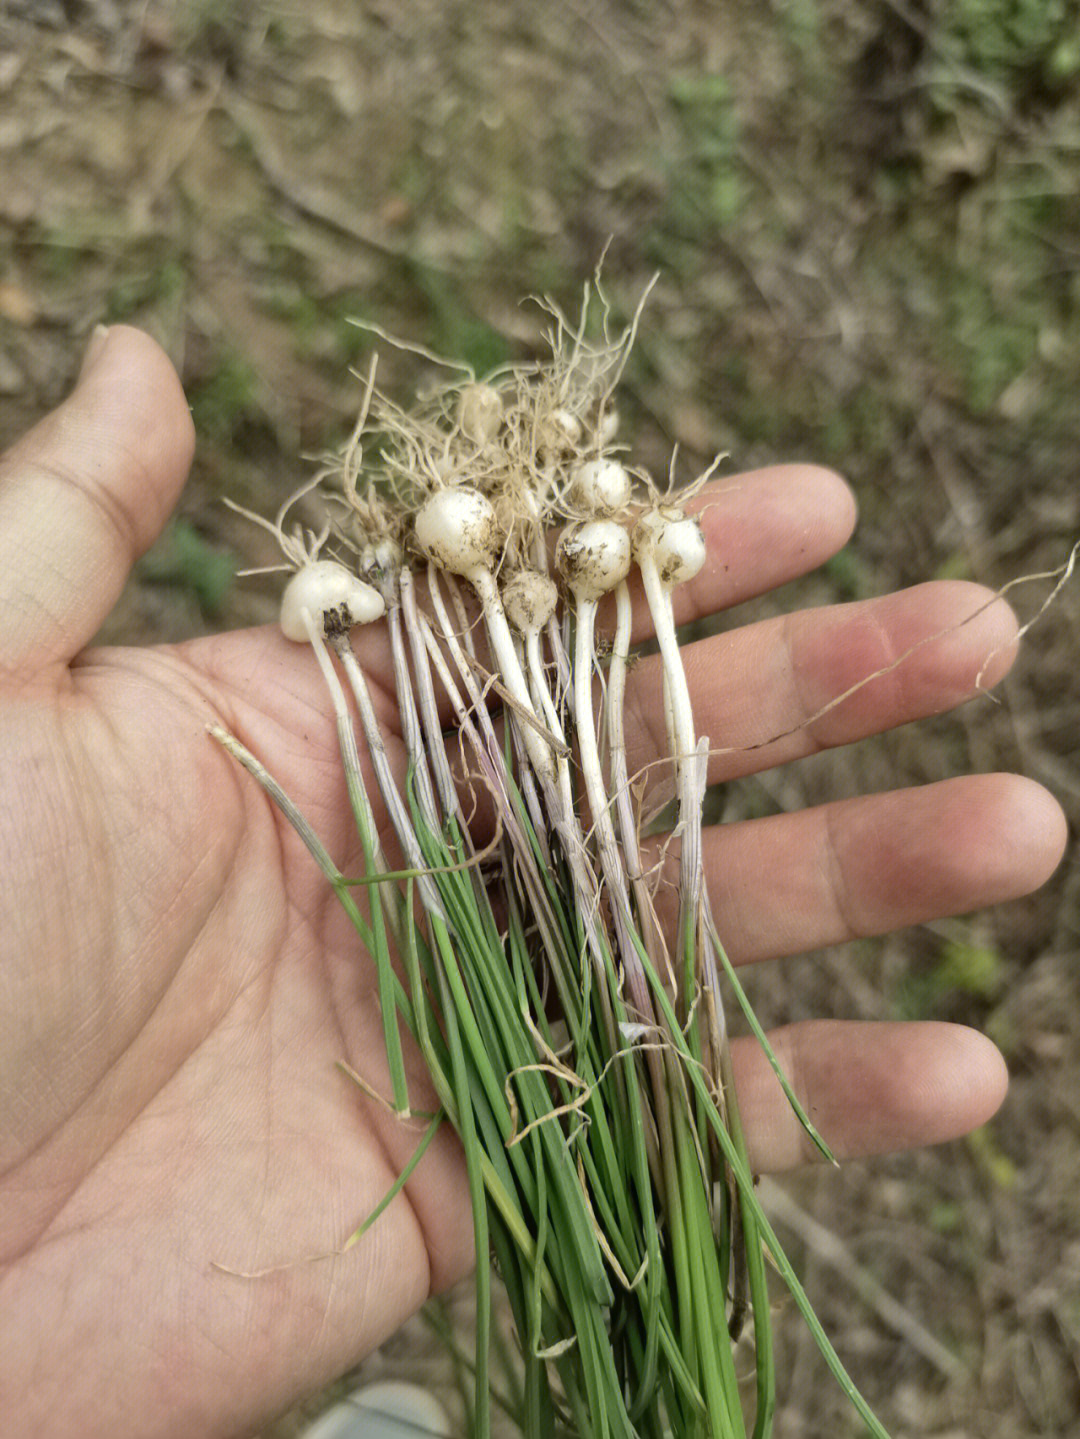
column 178, row 982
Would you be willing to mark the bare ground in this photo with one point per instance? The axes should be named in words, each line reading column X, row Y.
column 865, row 219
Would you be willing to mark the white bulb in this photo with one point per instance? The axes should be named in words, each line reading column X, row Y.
column 458, row 530
column 608, row 426
column 600, row 486
column 643, row 535
column 480, row 412
column 560, row 432
column 680, row 551
column 674, row 542
column 383, row 554
column 529, row 599
column 322, row 588
column 593, row 557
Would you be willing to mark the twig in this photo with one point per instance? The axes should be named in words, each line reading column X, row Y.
column 832, row 1251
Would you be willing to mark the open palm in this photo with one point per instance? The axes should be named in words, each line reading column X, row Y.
column 180, row 1156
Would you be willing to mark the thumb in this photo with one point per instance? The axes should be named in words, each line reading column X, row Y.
column 84, row 494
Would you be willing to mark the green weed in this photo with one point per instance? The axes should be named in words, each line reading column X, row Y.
column 224, row 397
column 1018, row 43
column 967, row 970
column 991, row 1158
column 182, row 557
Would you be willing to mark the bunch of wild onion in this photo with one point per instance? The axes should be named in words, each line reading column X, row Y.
column 579, row 1051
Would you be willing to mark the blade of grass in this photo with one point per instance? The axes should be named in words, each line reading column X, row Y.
column 762, row 1039
column 399, row 1183
column 745, row 1182
column 474, row 1174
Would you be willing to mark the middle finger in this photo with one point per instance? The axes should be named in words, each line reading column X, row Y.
column 780, row 689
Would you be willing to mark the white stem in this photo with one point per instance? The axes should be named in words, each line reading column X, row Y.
column 346, row 735
column 678, row 692
column 509, row 670
column 691, row 770
column 526, row 776
column 451, row 637
column 491, row 754
column 669, row 717
column 350, row 758
column 411, row 729
column 477, row 728
column 465, row 626
column 633, row 975
column 429, row 710
column 395, row 805
column 541, row 692
column 584, row 724
column 564, row 817
column 684, row 749
column 596, row 792
column 616, row 696
column 538, row 547
column 620, row 782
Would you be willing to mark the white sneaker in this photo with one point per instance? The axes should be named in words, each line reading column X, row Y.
column 387, row 1410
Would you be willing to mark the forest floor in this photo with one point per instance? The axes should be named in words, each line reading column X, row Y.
column 866, row 223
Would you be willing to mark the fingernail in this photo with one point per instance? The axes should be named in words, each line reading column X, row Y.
column 98, row 339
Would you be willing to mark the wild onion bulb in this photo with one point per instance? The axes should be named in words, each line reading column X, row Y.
column 322, row 588
column 670, row 548
column 672, row 541
column 529, row 599
column 593, row 557
column 560, row 433
column 607, row 426
column 480, row 412
column 601, row 487
column 457, row 530
column 382, row 556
